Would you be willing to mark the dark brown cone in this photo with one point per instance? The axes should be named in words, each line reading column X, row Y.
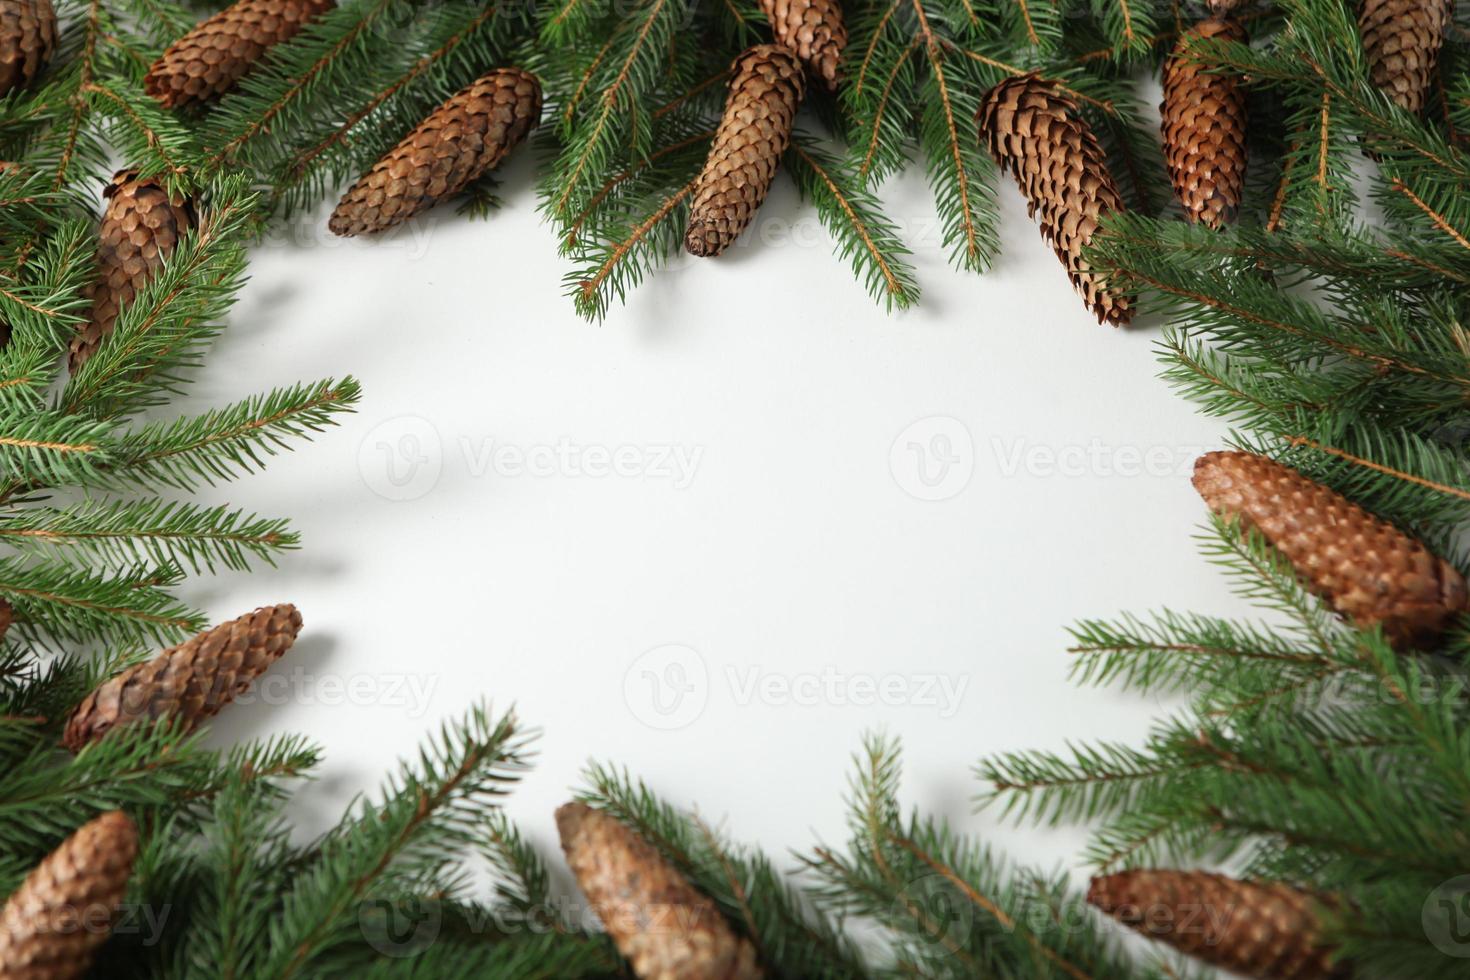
column 1034, row 131
column 1203, row 123
column 27, row 39
column 1367, row 569
column 1266, row 930
column 189, row 682
column 65, row 908
column 211, row 58
column 140, row 227
column 7, row 616
column 1402, row 39
column 664, row 927
column 814, row 29
column 468, row 134
column 766, row 88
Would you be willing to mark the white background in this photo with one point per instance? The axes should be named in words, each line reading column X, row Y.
column 797, row 548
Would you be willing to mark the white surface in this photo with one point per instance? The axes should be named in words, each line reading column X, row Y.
column 795, row 549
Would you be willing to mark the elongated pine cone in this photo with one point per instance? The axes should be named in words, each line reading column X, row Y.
column 64, row 910
column 1265, row 930
column 814, row 29
column 1402, row 39
column 191, row 681
column 1367, row 569
column 766, row 88
column 140, row 227
column 468, row 134
column 27, row 39
column 7, row 616
column 665, row 928
column 211, row 58
column 1204, row 119
column 1034, row 131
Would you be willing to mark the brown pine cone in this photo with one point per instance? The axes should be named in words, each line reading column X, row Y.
column 766, row 88
column 27, row 39
column 64, row 910
column 7, row 616
column 211, row 58
column 1265, row 930
column 188, row 682
column 664, row 927
column 1204, row 128
column 468, row 134
column 140, row 227
column 1034, row 131
column 1367, row 569
column 814, row 29
column 1402, row 39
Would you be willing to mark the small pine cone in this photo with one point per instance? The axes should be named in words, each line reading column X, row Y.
column 1266, row 930
column 1402, row 39
column 191, row 681
column 1367, row 569
column 140, row 227
column 65, row 908
column 1034, row 131
column 665, row 928
column 211, row 58
column 1204, row 128
column 814, row 29
column 27, row 39
column 7, row 616
column 468, row 134
column 766, row 88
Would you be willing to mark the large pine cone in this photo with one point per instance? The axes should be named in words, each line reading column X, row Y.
column 814, row 29
column 665, row 928
column 1264, row 930
column 766, row 88
column 1402, row 39
column 1035, row 131
column 52, row 925
column 1204, row 128
column 140, row 227
column 465, row 136
column 27, row 39
column 211, row 58
column 189, row 682
column 1367, row 569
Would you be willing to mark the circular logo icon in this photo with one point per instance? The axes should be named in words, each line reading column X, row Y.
column 1446, row 917
column 399, row 928
column 943, row 915
column 667, row 687
column 933, row 459
column 401, row 459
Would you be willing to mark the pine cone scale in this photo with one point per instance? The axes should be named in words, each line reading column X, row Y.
column 766, row 89
column 467, row 135
column 1369, row 571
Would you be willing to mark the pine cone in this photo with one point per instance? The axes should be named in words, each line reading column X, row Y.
column 1204, row 128
column 814, row 29
column 1035, row 131
column 27, row 39
column 1265, row 930
column 211, row 58
column 63, row 911
column 191, row 681
column 7, row 616
column 1367, row 569
column 1402, row 39
column 766, row 87
column 665, row 928
column 468, row 134
column 140, row 227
